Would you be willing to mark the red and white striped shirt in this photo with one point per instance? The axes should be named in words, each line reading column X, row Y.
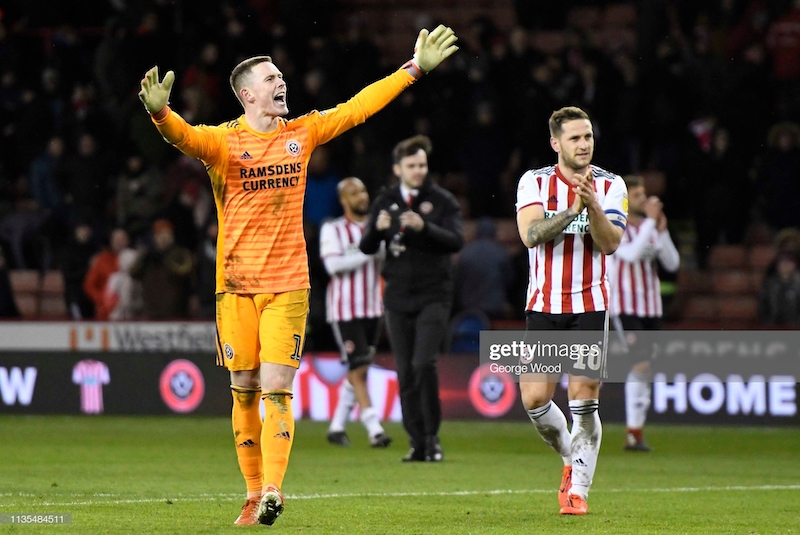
column 633, row 270
column 354, row 290
column 91, row 375
column 567, row 275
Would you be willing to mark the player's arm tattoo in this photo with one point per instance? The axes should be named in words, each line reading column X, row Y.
column 544, row 230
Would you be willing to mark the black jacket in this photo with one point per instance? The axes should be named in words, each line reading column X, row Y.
column 418, row 269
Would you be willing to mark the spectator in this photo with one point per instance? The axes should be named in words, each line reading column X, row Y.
column 206, row 273
column 779, row 300
column 777, row 172
column 723, row 194
column 204, row 76
column 485, row 273
column 165, row 270
column 87, row 181
column 8, row 307
column 122, row 296
column 103, row 265
column 45, row 176
column 784, row 49
column 484, row 157
column 180, row 212
column 75, row 257
column 21, row 230
column 138, row 192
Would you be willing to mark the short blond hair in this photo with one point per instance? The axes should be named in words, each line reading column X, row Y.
column 240, row 72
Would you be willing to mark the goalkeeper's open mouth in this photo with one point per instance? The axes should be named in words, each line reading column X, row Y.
column 280, row 98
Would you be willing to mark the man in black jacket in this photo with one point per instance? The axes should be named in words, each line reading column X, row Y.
column 421, row 225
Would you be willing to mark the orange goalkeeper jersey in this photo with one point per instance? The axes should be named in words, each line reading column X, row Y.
column 259, row 184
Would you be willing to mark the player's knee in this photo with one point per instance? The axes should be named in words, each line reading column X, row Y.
column 533, row 400
column 245, row 396
column 534, row 394
column 246, row 379
column 358, row 374
column 584, row 390
column 357, row 362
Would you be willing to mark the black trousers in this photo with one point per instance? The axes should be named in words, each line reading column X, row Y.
column 416, row 338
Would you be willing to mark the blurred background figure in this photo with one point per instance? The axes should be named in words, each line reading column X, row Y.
column 206, row 270
column 102, row 266
column 138, row 195
column 76, row 254
column 122, row 294
column 779, row 299
column 165, row 272
column 485, row 275
column 8, row 307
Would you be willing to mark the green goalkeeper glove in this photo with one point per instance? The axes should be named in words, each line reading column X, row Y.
column 432, row 49
column 154, row 94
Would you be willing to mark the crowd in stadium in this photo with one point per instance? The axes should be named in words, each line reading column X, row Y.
column 705, row 94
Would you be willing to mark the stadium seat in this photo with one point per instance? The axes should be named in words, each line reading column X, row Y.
column 692, row 281
column 732, row 281
column 700, row 308
column 53, row 307
column 25, row 286
column 24, row 280
column 463, row 335
column 727, row 257
column 53, row 283
column 738, row 308
column 27, row 304
column 761, row 256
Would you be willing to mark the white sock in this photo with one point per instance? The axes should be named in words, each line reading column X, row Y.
column 637, row 400
column 369, row 417
column 551, row 424
column 347, row 399
column 587, row 433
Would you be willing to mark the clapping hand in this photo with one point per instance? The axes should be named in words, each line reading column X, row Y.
column 584, row 188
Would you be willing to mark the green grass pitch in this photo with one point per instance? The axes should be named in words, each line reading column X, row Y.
column 172, row 475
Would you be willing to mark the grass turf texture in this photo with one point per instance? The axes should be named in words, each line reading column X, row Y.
column 179, row 475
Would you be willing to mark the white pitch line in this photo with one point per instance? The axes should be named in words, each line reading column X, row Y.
column 236, row 497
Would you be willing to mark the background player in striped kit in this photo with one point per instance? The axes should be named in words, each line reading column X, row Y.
column 570, row 216
column 636, row 297
column 258, row 166
column 354, row 307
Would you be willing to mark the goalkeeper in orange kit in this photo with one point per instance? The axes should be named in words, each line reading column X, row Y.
column 257, row 164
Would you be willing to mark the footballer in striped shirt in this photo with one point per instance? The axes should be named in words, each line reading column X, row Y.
column 570, row 216
column 636, row 298
column 354, row 308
